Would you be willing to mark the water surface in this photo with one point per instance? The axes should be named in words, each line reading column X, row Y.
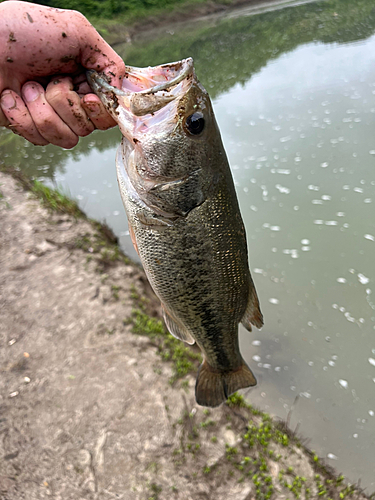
column 294, row 96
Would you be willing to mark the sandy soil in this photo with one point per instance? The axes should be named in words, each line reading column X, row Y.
column 86, row 407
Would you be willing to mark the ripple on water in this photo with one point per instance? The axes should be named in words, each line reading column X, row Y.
column 272, row 300
column 293, row 252
column 363, row 279
column 282, row 189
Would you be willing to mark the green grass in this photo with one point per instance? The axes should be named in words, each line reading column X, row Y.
column 103, row 243
column 52, row 199
column 155, row 489
column 55, row 200
column 263, row 438
column 126, row 11
column 261, row 443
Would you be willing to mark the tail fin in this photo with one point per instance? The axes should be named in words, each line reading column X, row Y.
column 214, row 387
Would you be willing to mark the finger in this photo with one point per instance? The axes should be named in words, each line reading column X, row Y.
column 46, row 120
column 93, row 106
column 96, row 112
column 18, row 116
column 77, row 79
column 97, row 54
column 83, row 88
column 4, row 122
column 67, row 104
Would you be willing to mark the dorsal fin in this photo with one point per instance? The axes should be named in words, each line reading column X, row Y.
column 253, row 315
column 175, row 329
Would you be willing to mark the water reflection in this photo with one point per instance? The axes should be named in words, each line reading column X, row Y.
column 46, row 161
column 229, row 51
column 302, row 154
column 295, row 100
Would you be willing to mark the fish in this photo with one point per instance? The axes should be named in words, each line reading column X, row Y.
column 184, row 218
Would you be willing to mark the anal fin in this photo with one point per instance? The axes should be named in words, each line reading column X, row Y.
column 213, row 387
column 253, row 315
column 175, row 329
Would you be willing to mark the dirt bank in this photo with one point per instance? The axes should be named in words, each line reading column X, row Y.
column 91, row 410
column 132, row 28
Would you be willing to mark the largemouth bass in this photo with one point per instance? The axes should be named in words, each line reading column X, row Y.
column 184, row 219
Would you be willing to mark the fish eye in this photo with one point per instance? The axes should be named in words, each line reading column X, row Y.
column 195, row 123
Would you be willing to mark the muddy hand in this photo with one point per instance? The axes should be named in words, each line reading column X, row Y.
column 44, row 53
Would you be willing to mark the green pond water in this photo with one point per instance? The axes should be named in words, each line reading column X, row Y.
column 294, row 95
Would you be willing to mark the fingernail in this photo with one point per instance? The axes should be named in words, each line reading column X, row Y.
column 7, row 101
column 30, row 93
column 93, row 108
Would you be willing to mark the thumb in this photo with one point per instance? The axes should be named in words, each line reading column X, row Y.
column 4, row 122
column 98, row 55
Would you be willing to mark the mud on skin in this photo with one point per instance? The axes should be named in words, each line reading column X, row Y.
column 37, row 45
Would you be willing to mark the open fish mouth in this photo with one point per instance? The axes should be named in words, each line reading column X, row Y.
column 145, row 81
column 151, row 110
column 143, row 100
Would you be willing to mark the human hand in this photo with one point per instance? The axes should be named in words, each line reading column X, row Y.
column 44, row 53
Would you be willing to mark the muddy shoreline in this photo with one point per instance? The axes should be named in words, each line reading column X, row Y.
column 116, row 33
column 97, row 402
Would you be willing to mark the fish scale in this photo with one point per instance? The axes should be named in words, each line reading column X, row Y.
column 184, row 218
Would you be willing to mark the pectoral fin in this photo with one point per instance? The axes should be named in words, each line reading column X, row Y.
column 253, row 315
column 175, row 329
column 155, row 220
column 132, row 236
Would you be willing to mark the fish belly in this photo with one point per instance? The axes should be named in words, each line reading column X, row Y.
column 198, row 268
